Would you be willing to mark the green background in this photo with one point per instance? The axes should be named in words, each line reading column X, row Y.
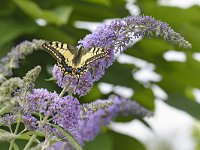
column 18, row 23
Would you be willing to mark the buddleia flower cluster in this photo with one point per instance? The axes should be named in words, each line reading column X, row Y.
column 29, row 113
column 116, row 37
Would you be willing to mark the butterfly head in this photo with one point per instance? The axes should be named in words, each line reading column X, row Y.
column 80, row 47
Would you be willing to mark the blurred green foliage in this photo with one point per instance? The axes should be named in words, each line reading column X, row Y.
column 196, row 135
column 18, row 22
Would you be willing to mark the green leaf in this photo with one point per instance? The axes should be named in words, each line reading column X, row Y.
column 11, row 29
column 120, row 142
column 101, row 142
column 58, row 16
column 69, row 137
column 4, row 145
column 29, row 133
column 6, row 109
column 97, row 12
column 181, row 102
column 23, row 137
column 93, row 95
column 54, row 33
column 144, row 96
column 50, row 79
column 6, row 136
column 103, row 2
column 121, row 74
column 3, row 131
column 6, row 8
column 15, row 146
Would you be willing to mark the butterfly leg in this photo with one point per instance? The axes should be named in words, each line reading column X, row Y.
column 78, row 77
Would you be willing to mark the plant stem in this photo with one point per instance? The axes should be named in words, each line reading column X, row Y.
column 30, row 142
column 65, row 89
column 15, row 132
column 11, row 144
column 45, row 119
column 70, row 90
column 18, row 122
column 34, row 136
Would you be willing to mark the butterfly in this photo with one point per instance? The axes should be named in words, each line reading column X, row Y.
column 73, row 60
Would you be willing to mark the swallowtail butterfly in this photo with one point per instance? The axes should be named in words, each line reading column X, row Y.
column 73, row 60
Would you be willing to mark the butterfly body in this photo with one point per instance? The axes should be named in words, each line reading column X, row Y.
column 73, row 60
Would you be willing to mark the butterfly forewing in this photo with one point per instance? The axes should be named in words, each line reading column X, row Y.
column 93, row 54
column 60, row 51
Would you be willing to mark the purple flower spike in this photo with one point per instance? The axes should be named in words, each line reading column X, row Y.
column 65, row 111
column 125, row 107
column 90, row 127
column 119, row 33
column 61, row 145
column 115, row 37
column 11, row 61
column 8, row 119
column 30, row 122
column 84, row 85
column 38, row 101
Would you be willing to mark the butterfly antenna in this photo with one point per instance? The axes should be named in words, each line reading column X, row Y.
column 63, row 77
column 78, row 79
